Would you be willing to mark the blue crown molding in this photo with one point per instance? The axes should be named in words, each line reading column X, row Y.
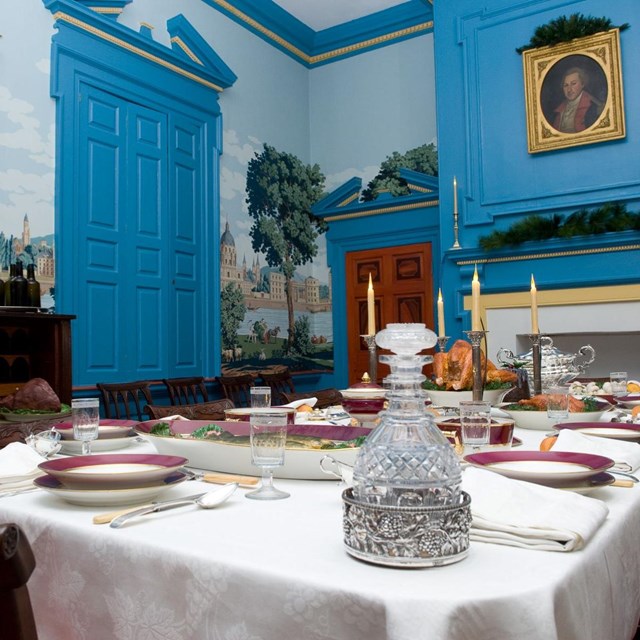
column 209, row 72
column 109, row 8
column 315, row 48
column 343, row 204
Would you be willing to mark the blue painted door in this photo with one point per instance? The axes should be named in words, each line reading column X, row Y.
column 137, row 242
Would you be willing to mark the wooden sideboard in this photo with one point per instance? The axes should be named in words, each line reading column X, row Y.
column 35, row 345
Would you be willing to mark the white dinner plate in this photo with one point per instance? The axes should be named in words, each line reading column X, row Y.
column 107, row 429
column 74, row 447
column 112, row 470
column 108, row 497
column 614, row 430
column 630, row 400
column 553, row 468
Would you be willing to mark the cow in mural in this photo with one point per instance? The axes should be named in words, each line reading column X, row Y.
column 269, row 334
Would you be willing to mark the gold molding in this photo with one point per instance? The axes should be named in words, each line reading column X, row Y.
column 550, row 254
column 374, row 212
column 554, row 298
column 416, row 187
column 146, row 24
column 329, row 54
column 137, row 50
column 348, row 200
column 116, row 10
column 181, row 43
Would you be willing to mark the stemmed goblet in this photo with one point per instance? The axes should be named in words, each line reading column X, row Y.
column 268, row 438
column 558, row 403
column 85, row 414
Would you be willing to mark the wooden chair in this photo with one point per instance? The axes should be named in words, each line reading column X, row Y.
column 325, row 397
column 237, row 388
column 119, row 398
column 16, row 566
column 212, row 410
column 186, row 390
column 280, row 381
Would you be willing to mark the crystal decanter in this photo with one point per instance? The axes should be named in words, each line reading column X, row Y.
column 406, row 461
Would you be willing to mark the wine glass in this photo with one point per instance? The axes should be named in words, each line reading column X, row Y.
column 85, row 414
column 558, row 403
column 268, row 438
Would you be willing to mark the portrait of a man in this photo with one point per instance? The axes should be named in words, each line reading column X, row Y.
column 574, row 93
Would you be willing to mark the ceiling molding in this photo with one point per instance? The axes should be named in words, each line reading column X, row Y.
column 315, row 48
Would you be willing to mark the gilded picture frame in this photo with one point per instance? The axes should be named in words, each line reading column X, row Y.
column 573, row 93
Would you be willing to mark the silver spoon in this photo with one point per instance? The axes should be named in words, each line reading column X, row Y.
column 206, row 501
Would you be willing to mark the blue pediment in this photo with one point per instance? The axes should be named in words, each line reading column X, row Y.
column 204, row 66
column 344, row 202
column 189, row 44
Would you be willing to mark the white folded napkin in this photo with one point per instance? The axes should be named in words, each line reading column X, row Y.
column 625, row 454
column 527, row 515
column 298, row 403
column 18, row 462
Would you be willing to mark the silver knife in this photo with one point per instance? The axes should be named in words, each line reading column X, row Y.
column 155, row 507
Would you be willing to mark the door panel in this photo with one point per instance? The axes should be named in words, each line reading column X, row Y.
column 402, row 280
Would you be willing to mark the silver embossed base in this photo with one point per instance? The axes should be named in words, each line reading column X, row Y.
column 406, row 536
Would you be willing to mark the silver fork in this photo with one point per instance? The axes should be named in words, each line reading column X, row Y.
column 15, row 492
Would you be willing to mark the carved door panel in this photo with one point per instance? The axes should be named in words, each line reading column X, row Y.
column 403, row 285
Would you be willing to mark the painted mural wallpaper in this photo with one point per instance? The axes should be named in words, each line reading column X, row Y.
column 276, row 309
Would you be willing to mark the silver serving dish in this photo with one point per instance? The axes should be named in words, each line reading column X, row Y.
column 557, row 367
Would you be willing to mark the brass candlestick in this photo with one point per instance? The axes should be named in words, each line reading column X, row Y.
column 373, row 356
column 475, row 338
column 442, row 343
column 537, row 363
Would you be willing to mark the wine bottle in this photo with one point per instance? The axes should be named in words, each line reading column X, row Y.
column 7, row 286
column 19, row 294
column 33, row 286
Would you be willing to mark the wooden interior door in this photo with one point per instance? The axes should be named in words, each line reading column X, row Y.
column 403, row 284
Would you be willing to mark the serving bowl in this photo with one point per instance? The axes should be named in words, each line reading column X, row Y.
column 454, row 398
column 538, row 420
column 500, row 434
column 229, row 457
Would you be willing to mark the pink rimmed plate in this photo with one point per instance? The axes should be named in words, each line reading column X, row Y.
column 108, row 497
column 112, row 470
column 631, row 400
column 553, row 468
column 107, row 429
column 615, row 430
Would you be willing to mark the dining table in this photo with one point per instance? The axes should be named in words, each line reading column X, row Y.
column 275, row 570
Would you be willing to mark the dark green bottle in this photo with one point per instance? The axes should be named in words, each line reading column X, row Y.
column 19, row 294
column 33, row 286
column 7, row 286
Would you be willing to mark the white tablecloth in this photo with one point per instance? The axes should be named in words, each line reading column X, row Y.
column 278, row 571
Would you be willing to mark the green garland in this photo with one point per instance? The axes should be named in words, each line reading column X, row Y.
column 564, row 29
column 609, row 217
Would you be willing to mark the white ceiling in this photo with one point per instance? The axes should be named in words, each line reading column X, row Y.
column 322, row 14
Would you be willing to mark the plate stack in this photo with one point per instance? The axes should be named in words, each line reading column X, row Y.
column 111, row 479
column 112, row 435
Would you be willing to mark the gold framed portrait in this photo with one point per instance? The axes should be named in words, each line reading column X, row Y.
column 573, row 93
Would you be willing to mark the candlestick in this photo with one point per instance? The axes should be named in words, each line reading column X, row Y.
column 475, row 302
column 455, row 196
column 371, row 309
column 456, row 244
column 441, row 329
column 475, row 338
column 536, row 353
column 442, row 343
column 373, row 356
column 534, row 307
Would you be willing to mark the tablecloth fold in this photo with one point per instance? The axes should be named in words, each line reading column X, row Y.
column 18, row 462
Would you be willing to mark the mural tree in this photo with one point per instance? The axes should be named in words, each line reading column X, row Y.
column 232, row 310
column 423, row 159
column 280, row 193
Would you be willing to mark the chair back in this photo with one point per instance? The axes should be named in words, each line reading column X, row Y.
column 125, row 399
column 237, row 388
column 280, row 381
column 212, row 410
column 16, row 566
column 325, row 397
column 186, row 390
